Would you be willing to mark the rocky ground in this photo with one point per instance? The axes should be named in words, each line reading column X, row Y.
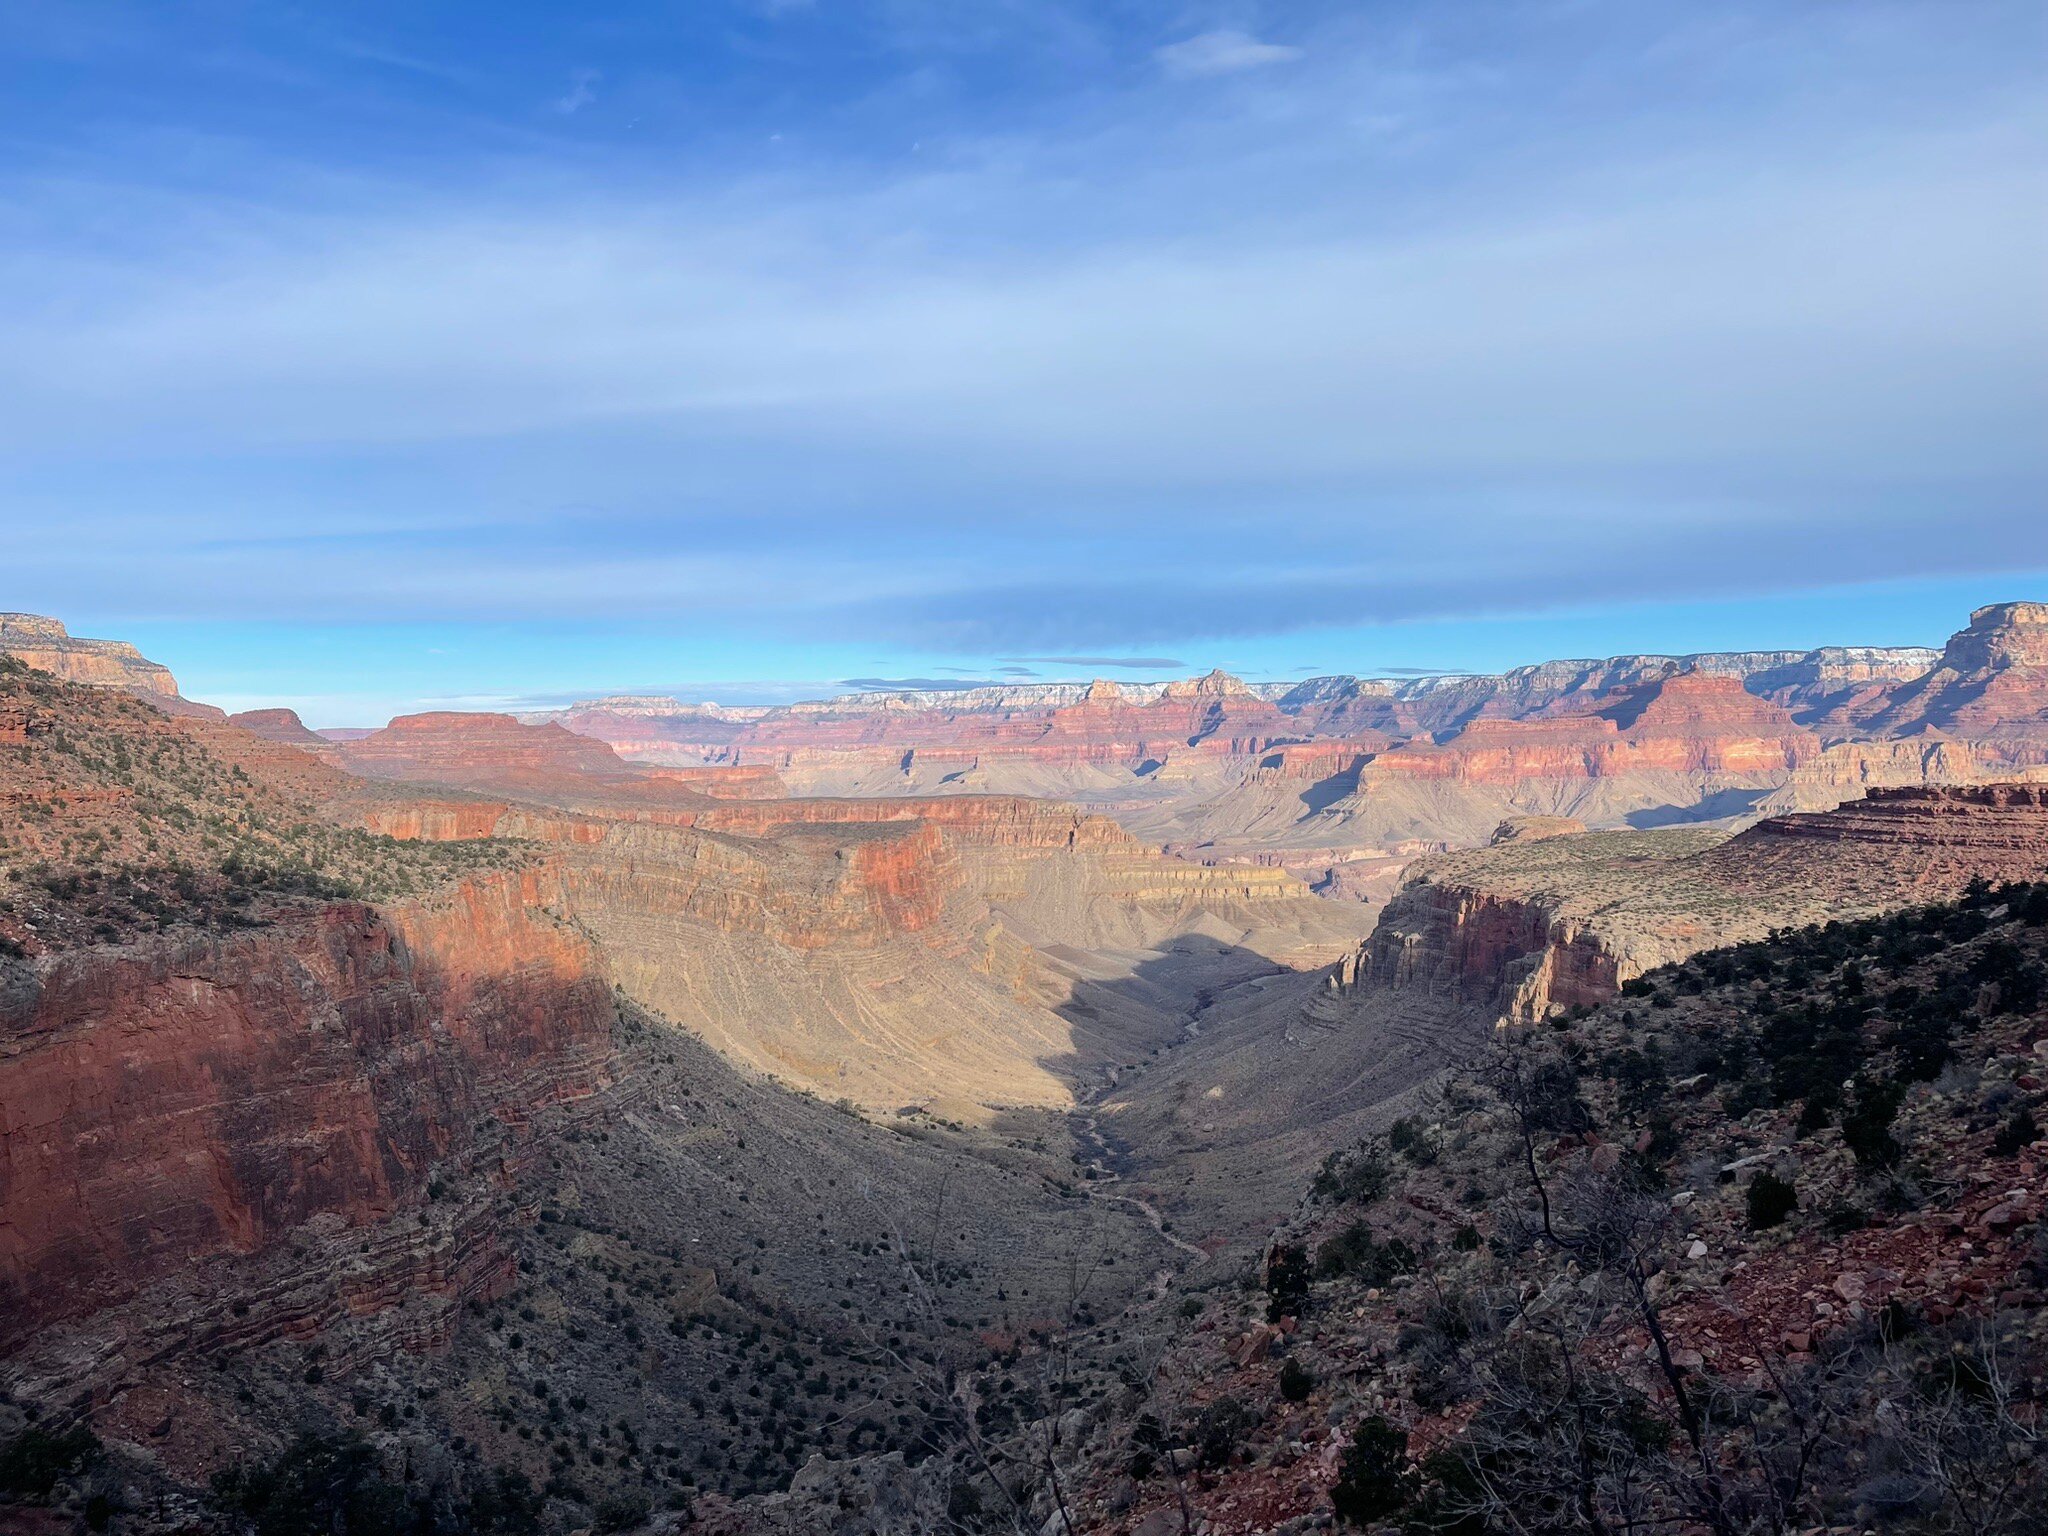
column 1755, row 1246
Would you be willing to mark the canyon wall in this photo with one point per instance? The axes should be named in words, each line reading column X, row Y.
column 47, row 646
column 898, row 951
column 1522, row 929
column 484, row 750
column 1325, row 770
column 199, row 1099
column 1990, row 687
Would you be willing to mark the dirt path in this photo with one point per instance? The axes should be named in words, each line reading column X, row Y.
column 1158, row 1222
column 1100, row 1155
column 1090, row 1134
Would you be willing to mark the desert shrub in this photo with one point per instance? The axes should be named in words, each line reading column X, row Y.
column 1287, row 1280
column 319, row 1483
column 1409, row 1139
column 1376, row 1479
column 1842, row 1218
column 1642, row 1077
column 100, row 1509
column 1896, row 1320
column 2019, row 1132
column 1148, row 1443
column 1771, row 1200
column 622, row 1511
column 1296, row 1381
column 1354, row 1176
column 1354, row 1251
column 1440, row 1346
column 1810, row 1050
column 504, row 1503
column 34, row 1460
column 1867, row 1125
column 1549, row 1097
column 1922, row 1042
column 1220, row 1430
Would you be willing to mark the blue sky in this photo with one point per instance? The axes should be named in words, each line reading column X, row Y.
column 374, row 356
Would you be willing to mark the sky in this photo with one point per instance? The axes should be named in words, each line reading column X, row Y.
column 417, row 355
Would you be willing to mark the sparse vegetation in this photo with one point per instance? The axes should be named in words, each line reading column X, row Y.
column 1618, row 1271
column 1770, row 1200
column 36, row 1459
column 117, row 822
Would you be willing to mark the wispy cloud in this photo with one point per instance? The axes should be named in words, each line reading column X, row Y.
column 915, row 684
column 581, row 93
column 1142, row 663
column 1223, row 52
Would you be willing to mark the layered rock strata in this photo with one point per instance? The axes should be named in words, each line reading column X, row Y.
column 47, row 646
column 194, row 1100
column 1522, row 929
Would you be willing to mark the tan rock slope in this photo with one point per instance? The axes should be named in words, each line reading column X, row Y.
column 976, row 953
column 973, row 953
column 957, row 952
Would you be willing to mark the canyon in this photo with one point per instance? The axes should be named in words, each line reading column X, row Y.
column 1342, row 779
column 309, row 1129
column 511, row 1084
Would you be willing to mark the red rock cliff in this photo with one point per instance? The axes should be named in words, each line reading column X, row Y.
column 167, row 1103
column 1694, row 722
column 476, row 749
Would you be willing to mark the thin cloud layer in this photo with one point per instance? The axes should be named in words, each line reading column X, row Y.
column 1222, row 52
column 1129, row 663
column 916, row 684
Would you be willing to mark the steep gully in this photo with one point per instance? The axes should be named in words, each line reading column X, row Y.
column 1104, row 1158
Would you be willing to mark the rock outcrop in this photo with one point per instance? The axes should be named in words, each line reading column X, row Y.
column 280, row 725
column 1849, row 769
column 1522, row 929
column 1990, row 688
column 478, row 751
column 1896, row 846
column 1533, row 829
column 46, row 645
